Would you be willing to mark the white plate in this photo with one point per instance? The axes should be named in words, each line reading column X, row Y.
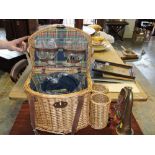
column 88, row 30
column 98, row 44
column 101, row 47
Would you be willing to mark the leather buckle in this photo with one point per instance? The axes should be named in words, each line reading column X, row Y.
column 60, row 104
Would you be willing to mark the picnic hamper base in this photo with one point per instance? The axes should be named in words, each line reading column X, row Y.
column 57, row 113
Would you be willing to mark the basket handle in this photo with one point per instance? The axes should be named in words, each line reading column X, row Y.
column 60, row 104
column 60, row 26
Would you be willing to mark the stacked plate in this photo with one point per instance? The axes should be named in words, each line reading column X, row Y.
column 99, row 43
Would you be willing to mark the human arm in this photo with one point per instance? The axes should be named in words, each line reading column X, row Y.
column 14, row 45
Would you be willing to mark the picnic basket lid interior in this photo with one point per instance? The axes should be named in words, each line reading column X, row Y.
column 58, row 46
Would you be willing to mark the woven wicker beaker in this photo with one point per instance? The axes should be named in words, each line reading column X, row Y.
column 99, row 110
column 99, row 88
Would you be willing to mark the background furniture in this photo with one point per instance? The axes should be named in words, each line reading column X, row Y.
column 79, row 23
column 145, row 23
column 1, row 23
column 16, row 28
column 50, row 21
column 148, row 25
column 116, row 28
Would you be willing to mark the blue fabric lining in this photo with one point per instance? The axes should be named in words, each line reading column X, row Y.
column 58, row 83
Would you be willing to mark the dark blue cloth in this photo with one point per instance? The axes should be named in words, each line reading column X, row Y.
column 64, row 82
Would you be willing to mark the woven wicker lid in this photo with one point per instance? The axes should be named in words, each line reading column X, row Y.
column 59, row 46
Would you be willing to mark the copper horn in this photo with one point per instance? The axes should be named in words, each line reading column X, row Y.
column 124, row 128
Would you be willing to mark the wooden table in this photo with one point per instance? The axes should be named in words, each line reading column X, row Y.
column 112, row 56
column 109, row 55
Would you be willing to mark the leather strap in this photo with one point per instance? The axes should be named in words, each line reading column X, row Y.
column 32, row 112
column 77, row 114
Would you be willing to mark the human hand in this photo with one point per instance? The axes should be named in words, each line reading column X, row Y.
column 17, row 44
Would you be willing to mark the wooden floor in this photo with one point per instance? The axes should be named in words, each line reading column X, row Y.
column 8, row 108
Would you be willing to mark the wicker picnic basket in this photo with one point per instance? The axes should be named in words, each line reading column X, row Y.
column 99, row 110
column 59, row 50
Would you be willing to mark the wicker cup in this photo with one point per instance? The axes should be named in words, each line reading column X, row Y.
column 99, row 110
column 99, row 88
